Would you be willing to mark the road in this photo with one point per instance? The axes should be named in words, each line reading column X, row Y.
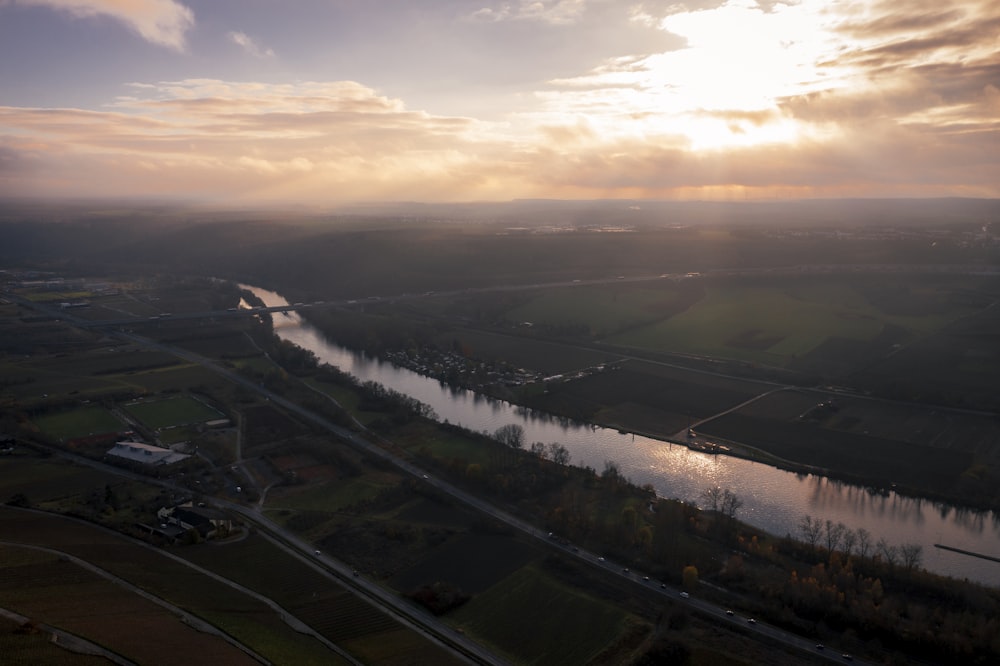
column 430, row 625
column 706, row 608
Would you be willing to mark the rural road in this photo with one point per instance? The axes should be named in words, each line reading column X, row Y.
column 430, row 625
column 355, row 439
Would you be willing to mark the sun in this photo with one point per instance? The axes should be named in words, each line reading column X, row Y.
column 723, row 90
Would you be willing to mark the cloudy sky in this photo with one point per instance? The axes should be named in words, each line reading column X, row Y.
column 324, row 102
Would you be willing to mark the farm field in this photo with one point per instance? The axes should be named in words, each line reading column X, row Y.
column 775, row 324
column 31, row 384
column 473, row 561
column 60, row 593
column 106, row 361
column 47, row 480
column 330, row 496
column 322, row 603
column 945, row 451
column 603, row 310
column 243, row 617
column 771, row 320
column 959, row 364
column 21, row 648
column 646, row 397
column 540, row 620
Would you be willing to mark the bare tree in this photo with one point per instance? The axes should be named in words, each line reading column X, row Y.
column 847, row 542
column 712, row 497
column 911, row 554
column 559, row 454
column 730, row 503
column 538, row 450
column 887, row 551
column 834, row 533
column 812, row 530
column 510, row 435
column 864, row 542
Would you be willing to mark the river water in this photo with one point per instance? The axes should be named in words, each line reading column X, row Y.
column 773, row 499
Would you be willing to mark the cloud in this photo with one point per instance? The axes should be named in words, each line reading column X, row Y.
column 247, row 43
column 249, row 141
column 557, row 12
column 892, row 98
column 162, row 22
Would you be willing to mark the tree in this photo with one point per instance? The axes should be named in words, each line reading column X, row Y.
column 559, row 454
column 811, row 529
column 911, row 554
column 611, row 475
column 834, row 533
column 730, row 504
column 847, row 542
column 539, row 451
column 510, row 435
column 887, row 551
column 689, row 577
column 864, row 542
column 712, row 497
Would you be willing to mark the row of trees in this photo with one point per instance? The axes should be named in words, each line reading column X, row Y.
column 837, row 537
column 512, row 437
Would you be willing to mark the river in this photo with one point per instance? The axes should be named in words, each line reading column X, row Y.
column 774, row 500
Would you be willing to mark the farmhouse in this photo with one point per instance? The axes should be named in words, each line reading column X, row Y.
column 145, row 454
column 208, row 522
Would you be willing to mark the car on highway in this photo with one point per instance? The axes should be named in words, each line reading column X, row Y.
column 750, row 620
column 685, row 595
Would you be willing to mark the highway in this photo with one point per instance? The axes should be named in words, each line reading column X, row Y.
column 385, row 599
column 708, row 609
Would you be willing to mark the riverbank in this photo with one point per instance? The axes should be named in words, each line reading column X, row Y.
column 776, row 499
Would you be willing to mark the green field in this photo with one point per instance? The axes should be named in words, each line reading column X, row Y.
column 79, row 422
column 602, row 310
column 539, row 620
column 764, row 320
column 331, row 496
column 45, row 480
column 180, row 410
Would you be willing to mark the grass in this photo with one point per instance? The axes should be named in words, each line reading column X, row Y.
column 440, row 444
column 181, row 410
column 773, row 325
column 79, row 422
column 330, row 496
column 538, row 620
column 602, row 310
column 474, row 562
column 367, row 632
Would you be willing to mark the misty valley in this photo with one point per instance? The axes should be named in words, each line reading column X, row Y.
column 534, row 432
